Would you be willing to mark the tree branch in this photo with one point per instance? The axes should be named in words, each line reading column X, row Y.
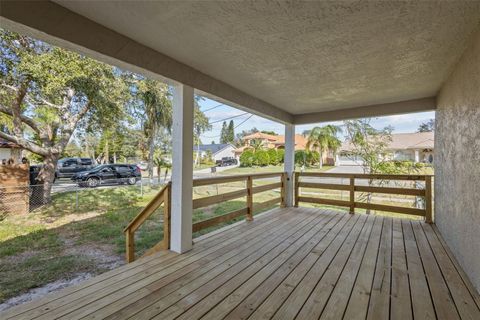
column 24, row 143
column 27, row 120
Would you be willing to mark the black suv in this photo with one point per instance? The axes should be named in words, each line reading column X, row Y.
column 108, row 174
column 226, row 161
column 67, row 167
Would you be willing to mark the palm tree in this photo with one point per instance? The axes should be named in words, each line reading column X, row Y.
column 157, row 110
column 256, row 144
column 323, row 139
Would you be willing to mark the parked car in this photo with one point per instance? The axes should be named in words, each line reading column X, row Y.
column 68, row 167
column 108, row 174
column 226, row 161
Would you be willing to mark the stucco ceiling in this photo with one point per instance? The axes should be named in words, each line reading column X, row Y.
column 304, row 56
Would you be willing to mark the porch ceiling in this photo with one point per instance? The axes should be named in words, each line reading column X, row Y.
column 304, row 57
column 300, row 57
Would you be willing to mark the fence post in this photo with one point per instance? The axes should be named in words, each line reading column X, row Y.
column 428, row 199
column 130, row 246
column 352, row 195
column 166, row 217
column 297, row 188
column 283, row 204
column 249, row 198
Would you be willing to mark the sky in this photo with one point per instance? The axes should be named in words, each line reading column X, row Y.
column 217, row 112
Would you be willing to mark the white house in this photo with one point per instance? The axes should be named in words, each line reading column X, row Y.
column 416, row 147
column 218, row 151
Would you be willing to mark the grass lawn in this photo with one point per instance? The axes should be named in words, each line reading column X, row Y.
column 61, row 241
column 253, row 170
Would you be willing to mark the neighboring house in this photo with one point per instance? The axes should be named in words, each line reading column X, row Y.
column 10, row 150
column 271, row 141
column 218, row 151
column 416, row 147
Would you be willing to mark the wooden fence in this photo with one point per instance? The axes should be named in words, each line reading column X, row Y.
column 352, row 188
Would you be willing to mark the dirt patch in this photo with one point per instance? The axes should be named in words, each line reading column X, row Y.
column 42, row 291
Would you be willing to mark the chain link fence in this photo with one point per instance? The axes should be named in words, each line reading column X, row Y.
column 21, row 199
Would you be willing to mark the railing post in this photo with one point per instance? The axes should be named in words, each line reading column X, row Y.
column 283, row 204
column 130, row 246
column 297, row 188
column 166, row 217
column 428, row 199
column 352, row 195
column 249, row 198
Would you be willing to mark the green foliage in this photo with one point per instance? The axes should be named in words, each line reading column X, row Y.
column 273, row 155
column 261, row 158
column 280, row 155
column 369, row 143
column 247, row 158
column 427, row 126
column 306, row 157
column 323, row 139
column 227, row 134
column 273, row 133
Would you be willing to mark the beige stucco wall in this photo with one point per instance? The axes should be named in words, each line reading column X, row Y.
column 457, row 162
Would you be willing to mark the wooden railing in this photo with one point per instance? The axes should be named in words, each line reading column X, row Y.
column 247, row 192
column 162, row 197
column 352, row 188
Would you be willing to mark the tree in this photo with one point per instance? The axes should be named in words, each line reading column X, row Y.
column 323, row 139
column 428, row 126
column 200, row 124
column 155, row 108
column 272, row 133
column 370, row 144
column 224, row 133
column 48, row 92
column 230, row 132
column 256, row 144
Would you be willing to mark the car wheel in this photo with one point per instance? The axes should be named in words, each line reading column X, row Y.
column 131, row 180
column 93, row 182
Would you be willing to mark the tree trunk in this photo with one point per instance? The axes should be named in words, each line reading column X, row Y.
column 320, row 162
column 151, row 150
column 46, row 176
column 114, row 157
column 107, row 154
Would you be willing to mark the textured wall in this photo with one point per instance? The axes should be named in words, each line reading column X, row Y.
column 457, row 152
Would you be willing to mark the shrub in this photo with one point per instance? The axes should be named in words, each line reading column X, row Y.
column 247, row 158
column 280, row 155
column 261, row 158
column 272, row 154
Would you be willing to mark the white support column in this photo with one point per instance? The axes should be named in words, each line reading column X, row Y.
column 417, row 156
column 182, row 169
column 289, row 162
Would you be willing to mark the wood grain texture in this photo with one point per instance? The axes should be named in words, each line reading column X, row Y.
column 290, row 263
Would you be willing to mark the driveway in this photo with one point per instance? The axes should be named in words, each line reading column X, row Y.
column 346, row 169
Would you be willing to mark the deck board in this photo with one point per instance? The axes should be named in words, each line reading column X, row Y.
column 290, row 263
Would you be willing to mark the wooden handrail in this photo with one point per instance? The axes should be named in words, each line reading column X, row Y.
column 162, row 197
column 352, row 188
column 249, row 191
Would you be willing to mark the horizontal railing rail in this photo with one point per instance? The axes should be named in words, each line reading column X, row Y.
column 352, row 188
column 249, row 191
column 162, row 197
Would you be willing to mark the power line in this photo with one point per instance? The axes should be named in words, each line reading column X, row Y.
column 213, row 108
column 238, row 125
column 238, row 115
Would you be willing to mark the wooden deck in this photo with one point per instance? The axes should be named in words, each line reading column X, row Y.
column 289, row 263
